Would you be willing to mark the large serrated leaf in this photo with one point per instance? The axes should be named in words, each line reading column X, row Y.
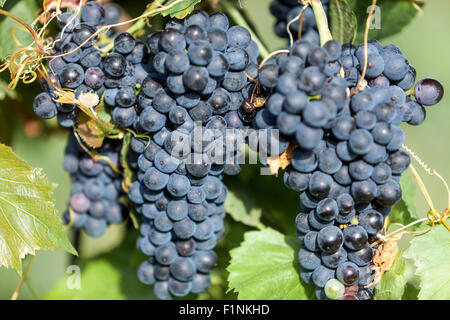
column 392, row 284
column 111, row 276
column 391, row 17
column 25, row 10
column 279, row 205
column 342, row 20
column 265, row 267
column 430, row 253
column 28, row 218
column 181, row 9
column 242, row 211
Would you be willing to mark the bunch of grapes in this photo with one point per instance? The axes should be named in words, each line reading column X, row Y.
column 287, row 10
column 96, row 188
column 187, row 96
column 188, row 105
column 77, row 69
column 347, row 163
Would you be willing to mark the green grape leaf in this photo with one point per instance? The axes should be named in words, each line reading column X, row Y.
column 111, row 276
column 342, row 20
column 412, row 282
column 181, row 9
column 29, row 220
column 105, row 116
column 279, row 205
column 411, row 292
column 25, row 10
column 264, row 267
column 243, row 209
column 430, row 253
column 401, row 213
column 409, row 190
column 392, row 283
column 404, row 211
column 389, row 18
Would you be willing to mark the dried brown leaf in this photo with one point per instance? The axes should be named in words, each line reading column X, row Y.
column 276, row 163
column 67, row 97
column 384, row 257
column 89, row 131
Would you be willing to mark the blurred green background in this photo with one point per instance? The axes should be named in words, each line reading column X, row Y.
column 425, row 42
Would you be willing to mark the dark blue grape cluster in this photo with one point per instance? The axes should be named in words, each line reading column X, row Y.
column 96, row 188
column 286, row 10
column 348, row 161
column 190, row 92
column 386, row 67
column 188, row 105
column 81, row 70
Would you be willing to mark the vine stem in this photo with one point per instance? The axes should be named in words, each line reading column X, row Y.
column 139, row 24
column 429, row 171
column 384, row 237
column 26, row 25
column 366, row 38
column 300, row 22
column 146, row 14
column 428, row 197
column 321, row 21
column 239, row 19
column 22, row 280
column 300, row 18
column 422, row 187
column 270, row 55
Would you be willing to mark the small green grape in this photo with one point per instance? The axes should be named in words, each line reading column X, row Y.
column 334, row 289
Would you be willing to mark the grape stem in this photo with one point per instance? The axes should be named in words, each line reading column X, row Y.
column 270, row 55
column 138, row 25
column 239, row 19
column 429, row 171
column 22, row 280
column 430, row 218
column 127, row 171
column 434, row 214
column 300, row 18
column 300, row 22
column 148, row 13
column 366, row 38
column 26, row 25
column 321, row 20
column 422, row 187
